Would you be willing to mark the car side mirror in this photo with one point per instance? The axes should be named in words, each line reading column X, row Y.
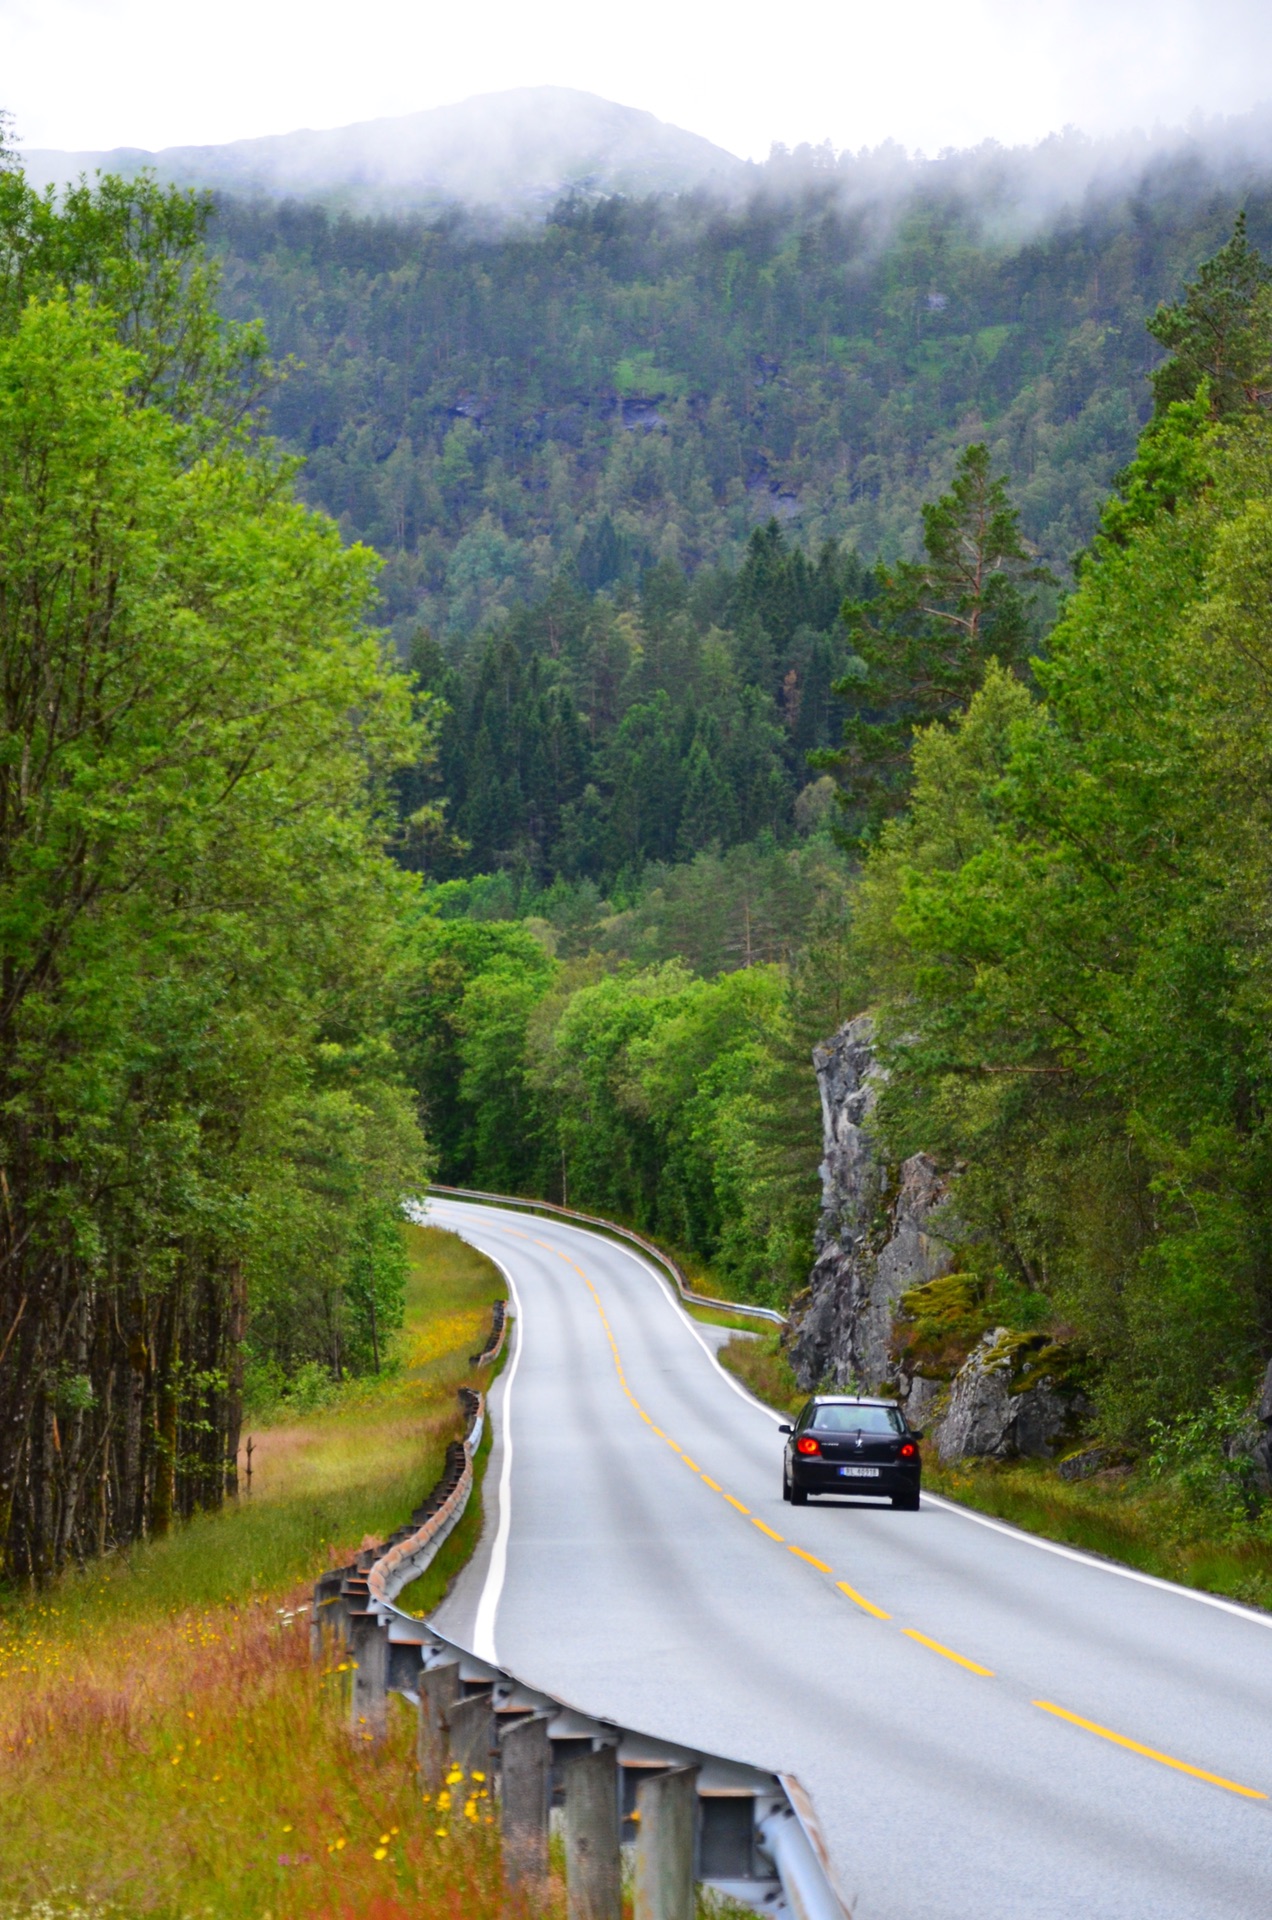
column 918, row 1433
column 786, row 1427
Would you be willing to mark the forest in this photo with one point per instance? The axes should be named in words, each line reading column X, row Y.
column 205, row 1132
column 640, row 381
column 503, row 745
column 1044, row 871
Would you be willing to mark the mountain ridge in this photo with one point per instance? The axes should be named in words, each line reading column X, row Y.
column 518, row 150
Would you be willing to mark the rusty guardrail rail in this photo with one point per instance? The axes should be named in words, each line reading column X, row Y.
column 686, row 1292
column 691, row 1817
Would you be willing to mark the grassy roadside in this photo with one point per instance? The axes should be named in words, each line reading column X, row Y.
column 165, row 1746
column 1157, row 1525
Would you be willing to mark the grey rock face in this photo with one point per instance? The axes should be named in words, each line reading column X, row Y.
column 871, row 1246
column 986, row 1420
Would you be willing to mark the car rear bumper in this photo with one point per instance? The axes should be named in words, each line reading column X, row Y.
column 824, row 1476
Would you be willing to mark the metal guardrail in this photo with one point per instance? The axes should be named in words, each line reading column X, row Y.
column 692, row 1817
column 686, row 1292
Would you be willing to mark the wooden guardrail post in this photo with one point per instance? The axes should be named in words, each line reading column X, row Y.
column 592, row 1871
column 667, row 1816
column 525, row 1771
column 370, row 1647
column 471, row 1726
column 438, row 1689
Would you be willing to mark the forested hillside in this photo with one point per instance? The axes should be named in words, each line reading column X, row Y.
column 1061, row 928
column 624, row 467
column 647, row 380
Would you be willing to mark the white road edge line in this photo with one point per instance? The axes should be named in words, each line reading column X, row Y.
column 929, row 1499
column 496, row 1572
column 1101, row 1566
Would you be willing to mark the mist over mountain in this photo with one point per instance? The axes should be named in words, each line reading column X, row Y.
column 518, row 151
column 515, row 154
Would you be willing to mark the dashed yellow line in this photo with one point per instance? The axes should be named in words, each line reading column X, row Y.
column 868, row 1606
column 812, row 1559
column 1149, row 1753
column 959, row 1659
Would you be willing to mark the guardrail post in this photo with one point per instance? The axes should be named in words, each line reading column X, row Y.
column 370, row 1711
column 471, row 1725
column 525, row 1770
column 326, row 1618
column 667, row 1816
column 438, row 1689
column 592, row 1871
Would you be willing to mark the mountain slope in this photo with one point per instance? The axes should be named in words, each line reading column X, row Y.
column 516, row 151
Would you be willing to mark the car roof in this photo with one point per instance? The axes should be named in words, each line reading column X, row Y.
column 850, row 1400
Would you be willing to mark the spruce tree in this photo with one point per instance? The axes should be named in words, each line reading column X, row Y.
column 924, row 638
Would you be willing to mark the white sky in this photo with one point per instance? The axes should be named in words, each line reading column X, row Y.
column 929, row 73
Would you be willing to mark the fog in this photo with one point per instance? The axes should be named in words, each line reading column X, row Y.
column 95, row 74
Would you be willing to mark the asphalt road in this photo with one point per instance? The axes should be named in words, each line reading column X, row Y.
column 989, row 1726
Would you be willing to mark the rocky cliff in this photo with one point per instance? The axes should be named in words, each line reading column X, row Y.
column 875, row 1239
column 882, row 1233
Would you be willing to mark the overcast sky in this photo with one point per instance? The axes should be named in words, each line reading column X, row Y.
column 929, row 73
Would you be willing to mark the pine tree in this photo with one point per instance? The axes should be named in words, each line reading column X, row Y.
column 924, row 639
column 1220, row 332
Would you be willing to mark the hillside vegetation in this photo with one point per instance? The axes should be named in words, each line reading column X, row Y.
column 1058, row 918
column 647, row 379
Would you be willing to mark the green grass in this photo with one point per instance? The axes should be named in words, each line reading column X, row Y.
column 1151, row 1524
column 319, row 1484
column 762, row 1366
column 166, row 1747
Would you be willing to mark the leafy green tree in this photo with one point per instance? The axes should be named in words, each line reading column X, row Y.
column 197, row 920
column 1064, row 940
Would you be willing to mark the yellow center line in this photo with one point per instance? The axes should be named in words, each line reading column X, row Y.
column 1150, row 1753
column 860, row 1600
column 868, row 1606
column 812, row 1559
column 960, row 1660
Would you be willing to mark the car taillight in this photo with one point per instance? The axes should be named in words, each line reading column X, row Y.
column 908, row 1450
column 807, row 1444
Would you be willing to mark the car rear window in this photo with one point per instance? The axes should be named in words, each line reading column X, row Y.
column 858, row 1420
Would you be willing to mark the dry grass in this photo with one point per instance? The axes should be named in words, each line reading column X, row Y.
column 165, row 1746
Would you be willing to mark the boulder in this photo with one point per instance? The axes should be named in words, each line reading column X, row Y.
column 1002, row 1405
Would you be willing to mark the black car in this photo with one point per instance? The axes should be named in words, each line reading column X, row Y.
column 843, row 1443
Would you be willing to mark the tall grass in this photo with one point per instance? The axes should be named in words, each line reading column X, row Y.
column 166, row 1747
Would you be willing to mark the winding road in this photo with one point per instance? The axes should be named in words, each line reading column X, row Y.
column 989, row 1725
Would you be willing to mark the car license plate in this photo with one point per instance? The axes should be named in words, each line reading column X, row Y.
column 859, row 1473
